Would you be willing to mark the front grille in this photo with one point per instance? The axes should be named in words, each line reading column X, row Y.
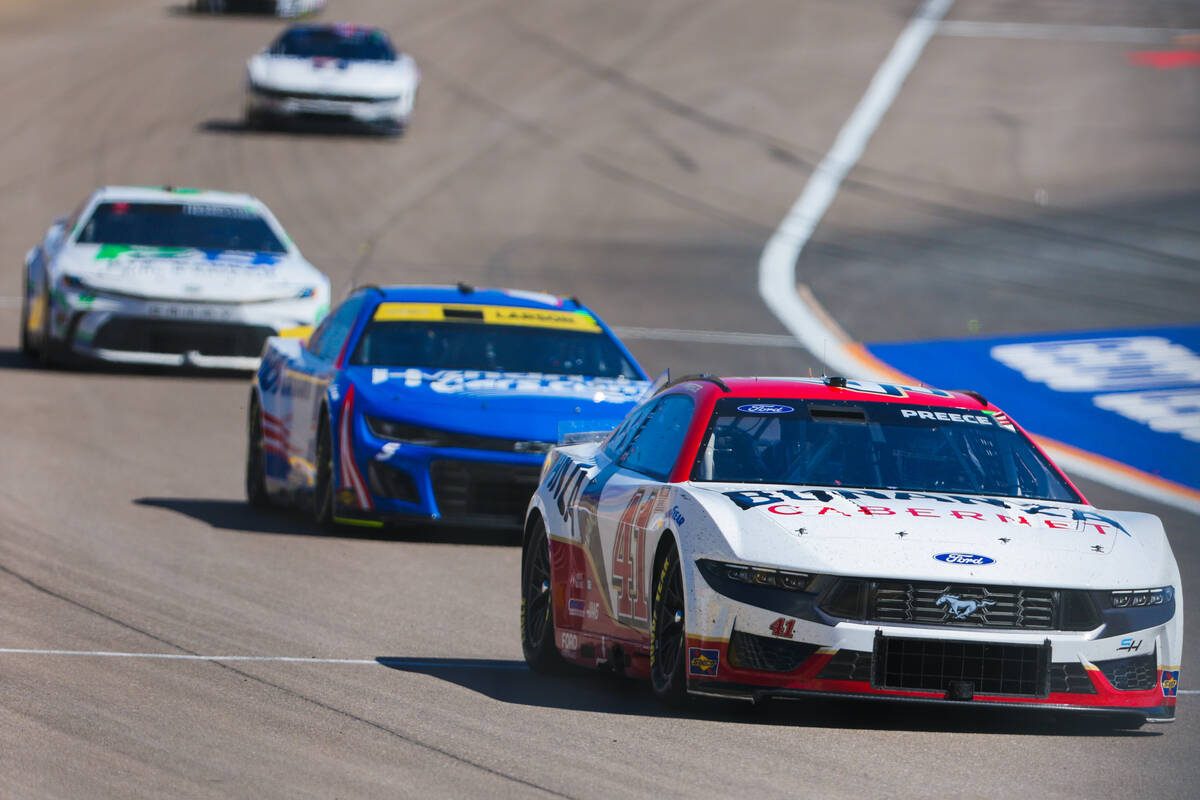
column 847, row 665
column 972, row 605
column 340, row 98
column 469, row 490
column 171, row 336
column 930, row 665
column 747, row 651
column 1135, row 674
column 1070, row 677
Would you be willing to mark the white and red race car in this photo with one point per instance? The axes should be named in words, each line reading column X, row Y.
column 754, row 538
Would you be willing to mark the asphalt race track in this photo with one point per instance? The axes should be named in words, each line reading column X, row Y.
column 1028, row 177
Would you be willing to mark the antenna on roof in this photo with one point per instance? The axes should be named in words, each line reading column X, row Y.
column 465, row 288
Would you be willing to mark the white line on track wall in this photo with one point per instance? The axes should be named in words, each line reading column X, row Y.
column 799, row 312
column 1061, row 33
column 777, row 264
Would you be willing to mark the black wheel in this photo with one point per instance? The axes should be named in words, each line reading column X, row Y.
column 27, row 348
column 537, row 607
column 668, row 634
column 49, row 352
column 322, row 502
column 256, row 461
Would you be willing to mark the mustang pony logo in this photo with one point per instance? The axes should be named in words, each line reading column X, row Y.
column 961, row 609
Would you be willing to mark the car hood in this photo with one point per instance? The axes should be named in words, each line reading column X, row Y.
column 333, row 77
column 183, row 273
column 934, row 536
column 517, row 405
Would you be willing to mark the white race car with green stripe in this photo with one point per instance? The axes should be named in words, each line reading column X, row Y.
column 166, row 276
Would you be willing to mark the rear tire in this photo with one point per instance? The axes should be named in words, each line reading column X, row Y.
column 322, row 502
column 668, row 634
column 537, row 605
column 256, row 459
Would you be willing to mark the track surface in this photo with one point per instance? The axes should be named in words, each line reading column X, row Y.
column 636, row 154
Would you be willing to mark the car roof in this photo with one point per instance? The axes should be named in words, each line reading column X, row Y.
column 470, row 295
column 173, row 194
column 828, row 388
column 345, row 29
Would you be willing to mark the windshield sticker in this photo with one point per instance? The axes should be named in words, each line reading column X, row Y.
column 946, row 416
column 765, row 408
column 492, row 384
column 231, row 212
column 495, row 315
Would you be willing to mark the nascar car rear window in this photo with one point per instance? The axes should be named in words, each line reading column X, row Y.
column 342, row 44
column 874, row 446
column 489, row 347
column 204, row 227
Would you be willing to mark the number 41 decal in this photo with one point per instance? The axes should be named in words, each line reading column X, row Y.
column 782, row 627
column 629, row 557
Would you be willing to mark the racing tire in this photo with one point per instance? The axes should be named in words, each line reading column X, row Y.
column 49, row 352
column 256, row 460
column 668, row 634
column 322, row 500
column 537, row 605
column 27, row 348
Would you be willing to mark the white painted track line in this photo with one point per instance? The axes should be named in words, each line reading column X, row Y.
column 448, row 663
column 708, row 337
column 777, row 264
column 1061, row 33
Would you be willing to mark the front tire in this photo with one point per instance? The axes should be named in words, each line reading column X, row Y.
column 256, row 460
column 322, row 504
column 537, row 605
column 27, row 348
column 668, row 634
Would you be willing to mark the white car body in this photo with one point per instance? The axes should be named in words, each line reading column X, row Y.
column 167, row 306
column 374, row 92
column 279, row 8
column 967, row 560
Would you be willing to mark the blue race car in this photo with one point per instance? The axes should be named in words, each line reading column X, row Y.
column 431, row 403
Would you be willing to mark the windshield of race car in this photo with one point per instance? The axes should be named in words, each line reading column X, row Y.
column 342, row 44
column 908, row 447
column 489, row 347
column 204, row 227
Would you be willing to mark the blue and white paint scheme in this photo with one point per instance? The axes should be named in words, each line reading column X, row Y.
column 368, row 429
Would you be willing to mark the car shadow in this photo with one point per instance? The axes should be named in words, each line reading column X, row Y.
column 240, row 517
column 300, row 128
column 188, row 9
column 511, row 681
column 13, row 359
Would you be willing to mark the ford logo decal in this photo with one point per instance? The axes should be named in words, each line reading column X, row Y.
column 965, row 558
column 765, row 408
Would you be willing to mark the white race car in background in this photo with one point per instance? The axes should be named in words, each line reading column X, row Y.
column 167, row 276
column 347, row 72
column 279, row 8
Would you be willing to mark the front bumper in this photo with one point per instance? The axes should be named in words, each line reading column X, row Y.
column 281, row 103
column 129, row 330
column 450, row 485
column 741, row 650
